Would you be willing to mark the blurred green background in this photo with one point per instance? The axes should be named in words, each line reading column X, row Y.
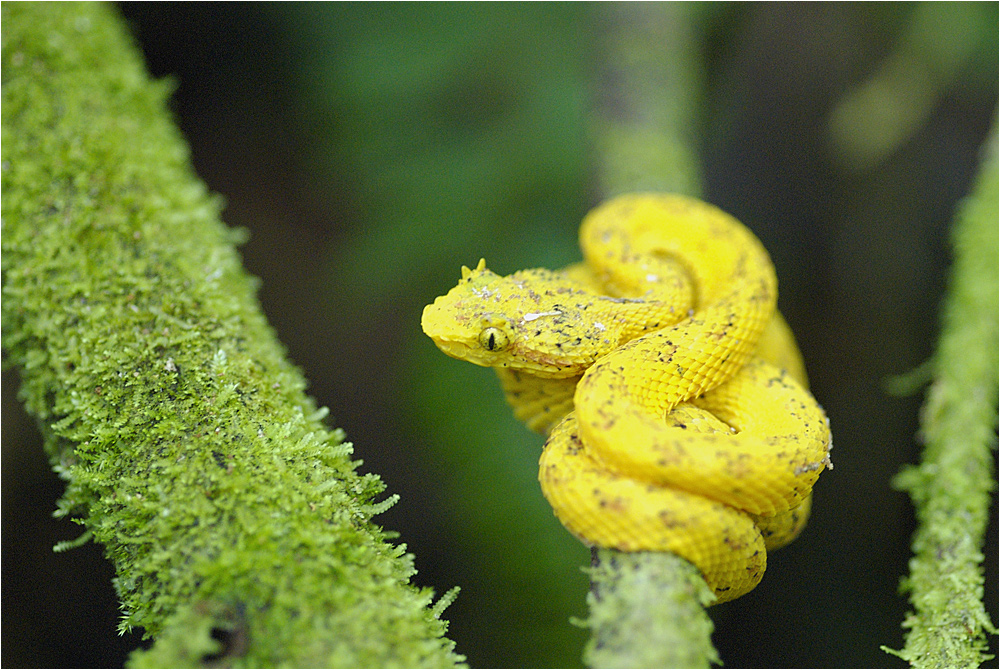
column 373, row 149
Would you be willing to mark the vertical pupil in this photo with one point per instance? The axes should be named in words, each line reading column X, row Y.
column 491, row 343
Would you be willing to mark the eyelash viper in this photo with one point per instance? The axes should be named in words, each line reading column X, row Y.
column 671, row 389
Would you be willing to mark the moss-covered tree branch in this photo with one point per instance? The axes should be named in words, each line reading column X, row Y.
column 236, row 521
column 951, row 486
column 647, row 609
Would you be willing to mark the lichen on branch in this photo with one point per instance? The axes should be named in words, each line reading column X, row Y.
column 236, row 520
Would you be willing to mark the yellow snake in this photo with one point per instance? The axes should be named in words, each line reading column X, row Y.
column 672, row 390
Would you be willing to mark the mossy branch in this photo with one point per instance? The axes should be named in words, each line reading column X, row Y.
column 952, row 485
column 238, row 526
column 647, row 609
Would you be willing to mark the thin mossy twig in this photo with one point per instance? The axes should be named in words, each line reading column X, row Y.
column 951, row 487
column 238, row 526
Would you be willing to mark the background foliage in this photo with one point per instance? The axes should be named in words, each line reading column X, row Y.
column 372, row 149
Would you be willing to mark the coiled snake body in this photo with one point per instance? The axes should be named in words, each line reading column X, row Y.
column 671, row 389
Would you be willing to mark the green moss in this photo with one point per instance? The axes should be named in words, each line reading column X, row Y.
column 647, row 611
column 235, row 519
column 952, row 485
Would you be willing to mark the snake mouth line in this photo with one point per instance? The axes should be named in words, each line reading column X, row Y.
column 461, row 351
column 540, row 366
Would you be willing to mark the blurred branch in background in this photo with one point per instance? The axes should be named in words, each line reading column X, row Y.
column 647, row 609
column 942, row 44
column 240, row 531
column 648, row 90
column 952, row 485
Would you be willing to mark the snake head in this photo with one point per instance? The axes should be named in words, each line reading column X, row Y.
column 518, row 321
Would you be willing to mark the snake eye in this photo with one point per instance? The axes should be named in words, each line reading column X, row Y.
column 493, row 339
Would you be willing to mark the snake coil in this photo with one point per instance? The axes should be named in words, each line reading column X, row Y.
column 671, row 390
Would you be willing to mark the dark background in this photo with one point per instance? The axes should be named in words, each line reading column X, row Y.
column 371, row 150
